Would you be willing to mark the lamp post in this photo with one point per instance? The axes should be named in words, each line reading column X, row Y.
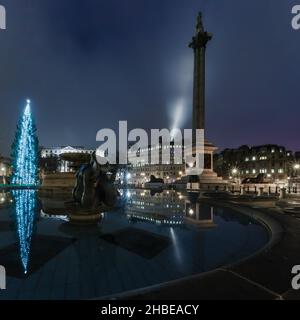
column 234, row 171
column 235, row 174
column 3, row 173
column 296, row 168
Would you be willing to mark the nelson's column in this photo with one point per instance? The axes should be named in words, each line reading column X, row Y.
column 208, row 178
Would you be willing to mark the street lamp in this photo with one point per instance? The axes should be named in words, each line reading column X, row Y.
column 3, row 170
column 297, row 167
column 191, row 164
column 235, row 173
column 191, row 212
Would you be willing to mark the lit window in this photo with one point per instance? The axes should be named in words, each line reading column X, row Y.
column 254, row 158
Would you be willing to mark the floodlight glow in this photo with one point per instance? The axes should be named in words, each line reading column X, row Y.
column 177, row 116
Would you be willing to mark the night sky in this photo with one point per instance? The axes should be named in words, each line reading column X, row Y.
column 86, row 64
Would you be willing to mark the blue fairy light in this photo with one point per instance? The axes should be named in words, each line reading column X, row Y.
column 25, row 151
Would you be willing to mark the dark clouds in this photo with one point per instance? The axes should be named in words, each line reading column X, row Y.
column 87, row 64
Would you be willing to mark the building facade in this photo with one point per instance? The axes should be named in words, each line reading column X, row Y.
column 273, row 162
column 5, row 170
column 63, row 166
column 141, row 169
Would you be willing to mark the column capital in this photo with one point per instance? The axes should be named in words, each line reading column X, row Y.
column 200, row 40
column 201, row 36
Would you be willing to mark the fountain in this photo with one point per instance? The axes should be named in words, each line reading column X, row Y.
column 94, row 192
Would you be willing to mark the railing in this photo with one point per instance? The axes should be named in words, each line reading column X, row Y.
column 255, row 189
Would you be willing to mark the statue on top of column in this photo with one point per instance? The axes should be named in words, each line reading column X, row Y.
column 202, row 37
column 199, row 26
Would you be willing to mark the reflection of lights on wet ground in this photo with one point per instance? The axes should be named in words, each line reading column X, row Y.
column 175, row 243
column 25, row 205
column 2, row 197
column 54, row 217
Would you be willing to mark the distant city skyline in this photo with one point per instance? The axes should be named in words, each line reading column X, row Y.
column 87, row 65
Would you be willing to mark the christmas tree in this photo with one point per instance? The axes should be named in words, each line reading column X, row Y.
column 25, row 151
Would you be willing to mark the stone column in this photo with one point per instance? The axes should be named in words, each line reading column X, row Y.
column 198, row 44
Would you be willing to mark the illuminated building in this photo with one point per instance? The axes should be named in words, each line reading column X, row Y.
column 141, row 170
column 5, row 170
column 55, row 153
column 271, row 161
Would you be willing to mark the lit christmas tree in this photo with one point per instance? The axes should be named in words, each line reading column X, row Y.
column 25, row 152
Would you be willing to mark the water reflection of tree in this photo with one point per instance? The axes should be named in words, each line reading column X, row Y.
column 25, row 204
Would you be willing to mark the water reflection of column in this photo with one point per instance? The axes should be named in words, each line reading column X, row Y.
column 25, row 209
column 200, row 213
